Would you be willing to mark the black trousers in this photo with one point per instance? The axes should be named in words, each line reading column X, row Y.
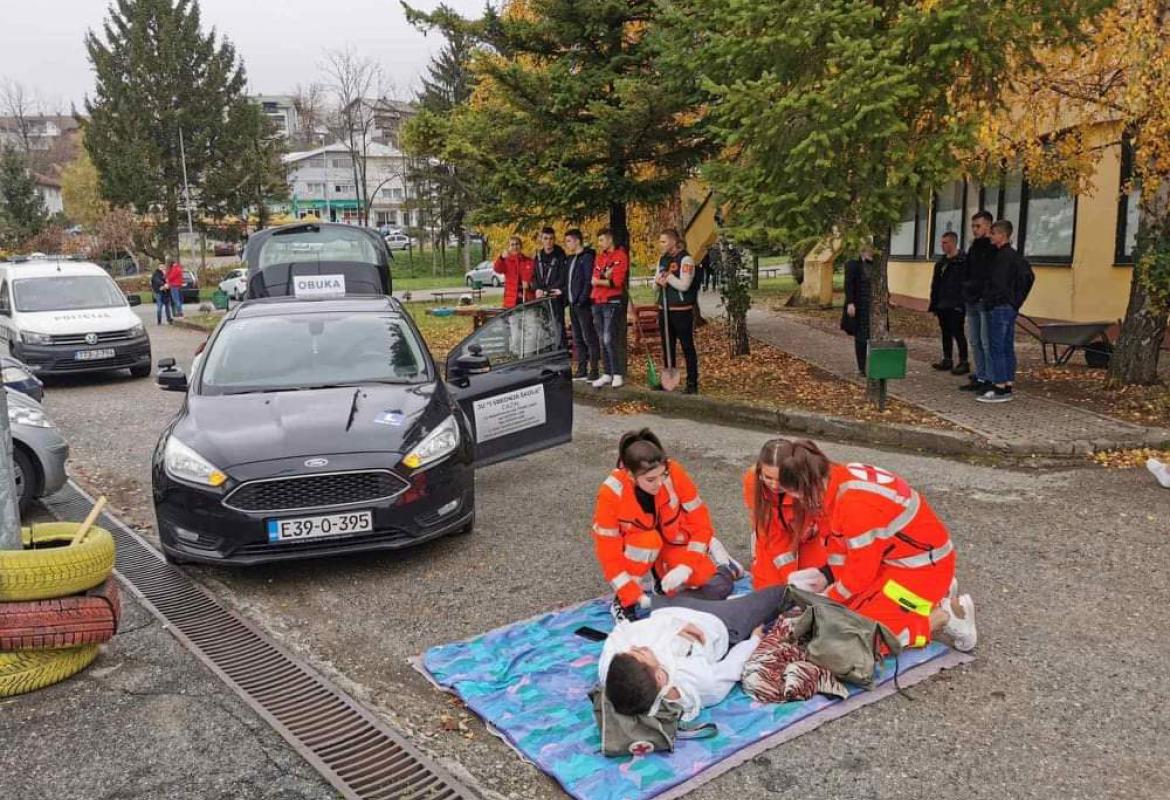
column 952, row 322
column 682, row 331
column 585, row 340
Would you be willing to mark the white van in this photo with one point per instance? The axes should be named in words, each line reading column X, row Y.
column 62, row 317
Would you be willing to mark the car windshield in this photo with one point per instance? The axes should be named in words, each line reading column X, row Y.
column 310, row 245
column 67, row 293
column 306, row 351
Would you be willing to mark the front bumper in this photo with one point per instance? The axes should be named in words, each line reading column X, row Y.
column 195, row 525
column 51, row 452
column 58, row 359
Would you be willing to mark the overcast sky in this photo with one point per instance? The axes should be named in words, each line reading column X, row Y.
column 282, row 42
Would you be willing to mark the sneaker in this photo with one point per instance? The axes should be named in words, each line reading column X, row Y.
column 995, row 395
column 622, row 613
column 604, row 380
column 617, row 381
column 945, row 364
column 962, row 368
column 962, row 630
column 976, row 386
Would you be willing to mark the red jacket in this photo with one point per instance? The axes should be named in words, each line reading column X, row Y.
column 615, row 266
column 175, row 276
column 516, row 268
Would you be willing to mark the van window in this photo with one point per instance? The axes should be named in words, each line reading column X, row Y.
column 325, row 244
column 67, row 293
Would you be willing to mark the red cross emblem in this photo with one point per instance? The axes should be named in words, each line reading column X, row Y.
column 865, row 472
column 641, row 748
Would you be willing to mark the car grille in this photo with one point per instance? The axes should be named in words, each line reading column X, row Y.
column 79, row 338
column 72, row 365
column 316, row 491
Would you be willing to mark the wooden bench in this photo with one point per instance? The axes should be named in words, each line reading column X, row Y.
column 440, row 295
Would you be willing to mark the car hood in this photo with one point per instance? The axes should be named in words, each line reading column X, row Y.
column 85, row 320
column 232, row 430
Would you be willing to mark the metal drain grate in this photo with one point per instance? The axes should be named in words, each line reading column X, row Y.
column 351, row 747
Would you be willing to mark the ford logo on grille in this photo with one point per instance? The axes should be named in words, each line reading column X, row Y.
column 313, row 463
column 91, row 338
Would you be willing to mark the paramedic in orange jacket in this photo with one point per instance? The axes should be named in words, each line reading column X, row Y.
column 649, row 523
column 782, row 541
column 519, row 272
column 890, row 558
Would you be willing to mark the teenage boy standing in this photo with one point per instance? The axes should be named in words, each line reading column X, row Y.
column 610, row 269
column 676, row 313
column 946, row 303
column 1000, row 299
column 517, row 270
column 550, row 276
column 579, row 288
column 979, row 257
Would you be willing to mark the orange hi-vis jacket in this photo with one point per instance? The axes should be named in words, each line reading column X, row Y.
column 630, row 542
column 773, row 557
column 891, row 557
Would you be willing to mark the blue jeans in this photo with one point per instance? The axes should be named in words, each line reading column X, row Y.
column 177, row 300
column 162, row 301
column 1003, row 344
column 979, row 339
column 605, row 319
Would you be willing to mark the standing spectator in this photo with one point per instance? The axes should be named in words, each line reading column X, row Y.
column 979, row 257
column 610, row 270
column 579, row 288
column 550, row 276
column 678, row 294
column 162, row 296
column 517, row 270
column 946, row 303
column 1002, row 300
column 175, row 284
column 859, row 274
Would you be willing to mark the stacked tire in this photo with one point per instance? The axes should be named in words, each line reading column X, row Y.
column 58, row 603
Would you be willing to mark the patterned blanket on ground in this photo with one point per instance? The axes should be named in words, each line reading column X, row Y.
column 530, row 681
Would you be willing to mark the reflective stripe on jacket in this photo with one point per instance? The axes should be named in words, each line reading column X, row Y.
column 773, row 557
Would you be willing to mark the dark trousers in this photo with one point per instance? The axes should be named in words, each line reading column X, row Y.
column 162, row 302
column 681, row 331
column 741, row 615
column 585, row 340
column 606, row 317
column 951, row 322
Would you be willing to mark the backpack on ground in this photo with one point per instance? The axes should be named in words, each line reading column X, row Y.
column 1022, row 282
column 624, row 735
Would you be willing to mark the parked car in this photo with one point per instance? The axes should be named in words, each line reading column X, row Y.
column 399, row 241
column 62, row 317
column 319, row 426
column 15, row 375
column 190, row 290
column 483, row 273
column 225, row 249
column 235, row 283
column 38, row 450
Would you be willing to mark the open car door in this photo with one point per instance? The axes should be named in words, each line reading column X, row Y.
column 513, row 379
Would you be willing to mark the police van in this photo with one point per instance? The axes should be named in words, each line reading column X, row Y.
column 62, row 317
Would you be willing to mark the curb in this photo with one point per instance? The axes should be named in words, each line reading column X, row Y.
column 191, row 326
column 908, row 437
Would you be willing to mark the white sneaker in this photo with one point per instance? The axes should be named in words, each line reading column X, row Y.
column 962, row 631
column 1160, row 471
column 618, row 381
column 604, row 380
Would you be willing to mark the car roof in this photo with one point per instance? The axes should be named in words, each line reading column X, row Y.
column 284, row 306
column 48, row 268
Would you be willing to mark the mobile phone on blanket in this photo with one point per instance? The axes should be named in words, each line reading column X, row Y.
column 592, row 634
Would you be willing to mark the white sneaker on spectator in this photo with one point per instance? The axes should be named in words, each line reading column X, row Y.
column 604, row 380
column 618, row 381
column 962, row 629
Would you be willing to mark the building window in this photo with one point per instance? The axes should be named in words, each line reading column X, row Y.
column 1049, row 223
column 908, row 239
column 386, row 194
column 1128, row 208
column 343, row 188
column 950, row 210
column 397, row 194
column 340, row 163
column 1011, row 202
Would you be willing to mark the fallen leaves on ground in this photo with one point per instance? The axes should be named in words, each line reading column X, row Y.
column 628, row 408
column 1129, row 459
column 1085, row 387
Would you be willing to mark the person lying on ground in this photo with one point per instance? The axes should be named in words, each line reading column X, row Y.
column 890, row 558
column 689, row 650
column 652, row 530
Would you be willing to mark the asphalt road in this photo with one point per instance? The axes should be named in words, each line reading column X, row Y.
column 1067, row 566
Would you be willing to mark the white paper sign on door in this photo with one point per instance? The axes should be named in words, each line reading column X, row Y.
column 508, row 413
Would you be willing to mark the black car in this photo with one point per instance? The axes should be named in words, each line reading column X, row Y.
column 190, row 290
column 313, row 427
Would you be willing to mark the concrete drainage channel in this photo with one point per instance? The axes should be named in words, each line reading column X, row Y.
column 350, row 746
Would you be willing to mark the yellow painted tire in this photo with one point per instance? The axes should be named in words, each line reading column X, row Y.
column 28, row 671
column 49, row 567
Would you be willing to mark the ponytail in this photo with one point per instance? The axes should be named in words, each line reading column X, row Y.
column 640, row 451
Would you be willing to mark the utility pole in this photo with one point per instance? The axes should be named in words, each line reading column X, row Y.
column 9, row 507
column 186, row 188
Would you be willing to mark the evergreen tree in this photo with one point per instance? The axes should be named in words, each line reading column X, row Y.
column 251, row 176
column 22, row 209
column 158, row 74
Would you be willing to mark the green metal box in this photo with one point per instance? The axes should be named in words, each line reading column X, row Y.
column 886, row 359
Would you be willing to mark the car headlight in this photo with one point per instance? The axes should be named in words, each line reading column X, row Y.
column 137, row 331
column 183, row 463
column 32, row 337
column 15, row 375
column 437, row 444
column 33, row 417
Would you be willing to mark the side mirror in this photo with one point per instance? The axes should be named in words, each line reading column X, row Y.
column 473, row 362
column 171, row 378
column 134, row 299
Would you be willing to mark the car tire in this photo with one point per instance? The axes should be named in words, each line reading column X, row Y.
column 140, row 371
column 45, row 572
column 26, row 478
column 89, row 618
column 28, row 671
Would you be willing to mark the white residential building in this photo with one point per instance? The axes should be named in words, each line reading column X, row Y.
column 321, row 182
column 50, row 190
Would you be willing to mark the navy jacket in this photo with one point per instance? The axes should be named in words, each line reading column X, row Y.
column 579, row 277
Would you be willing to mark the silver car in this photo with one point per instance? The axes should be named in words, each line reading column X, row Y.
column 483, row 273
column 39, row 452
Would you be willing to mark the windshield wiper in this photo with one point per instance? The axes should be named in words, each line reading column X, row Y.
column 352, row 410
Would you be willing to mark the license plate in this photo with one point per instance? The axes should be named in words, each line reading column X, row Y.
column 93, row 355
column 287, row 530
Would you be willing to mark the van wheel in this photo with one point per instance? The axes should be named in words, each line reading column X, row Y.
column 140, row 371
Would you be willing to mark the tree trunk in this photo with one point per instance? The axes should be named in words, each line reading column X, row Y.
column 879, row 307
column 621, row 238
column 1135, row 359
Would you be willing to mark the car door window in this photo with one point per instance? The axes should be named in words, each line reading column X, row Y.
column 516, row 335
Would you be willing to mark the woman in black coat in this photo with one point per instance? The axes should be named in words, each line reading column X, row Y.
column 859, row 274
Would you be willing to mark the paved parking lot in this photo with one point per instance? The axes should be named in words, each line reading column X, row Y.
column 1068, row 568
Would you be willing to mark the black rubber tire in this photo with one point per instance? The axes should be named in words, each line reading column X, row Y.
column 140, row 371
column 26, row 478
